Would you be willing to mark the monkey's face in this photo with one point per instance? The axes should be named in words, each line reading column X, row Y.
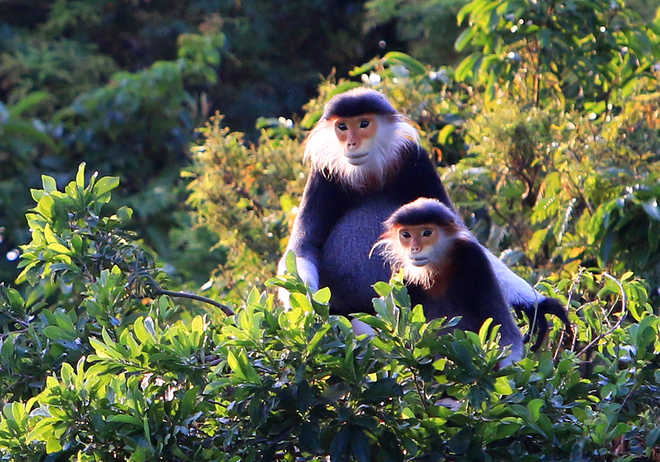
column 356, row 135
column 420, row 243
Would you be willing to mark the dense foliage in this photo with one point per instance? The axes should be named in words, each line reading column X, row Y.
column 119, row 375
column 544, row 128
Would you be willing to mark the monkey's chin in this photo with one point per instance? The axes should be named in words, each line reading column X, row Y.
column 357, row 159
column 419, row 261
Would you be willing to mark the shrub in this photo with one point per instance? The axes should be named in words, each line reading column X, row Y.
column 113, row 371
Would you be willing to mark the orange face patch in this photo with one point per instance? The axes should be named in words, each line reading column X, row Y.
column 418, row 237
column 354, row 131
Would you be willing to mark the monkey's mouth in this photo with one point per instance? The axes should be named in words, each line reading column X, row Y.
column 357, row 158
column 419, row 261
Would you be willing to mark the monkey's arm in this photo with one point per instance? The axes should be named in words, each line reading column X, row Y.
column 474, row 284
column 321, row 206
column 524, row 298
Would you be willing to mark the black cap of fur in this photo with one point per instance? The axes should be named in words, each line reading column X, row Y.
column 422, row 211
column 356, row 102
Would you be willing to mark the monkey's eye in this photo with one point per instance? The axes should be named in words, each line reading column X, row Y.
column 342, row 127
column 364, row 124
column 427, row 232
column 405, row 234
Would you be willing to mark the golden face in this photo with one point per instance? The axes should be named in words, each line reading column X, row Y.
column 418, row 242
column 356, row 134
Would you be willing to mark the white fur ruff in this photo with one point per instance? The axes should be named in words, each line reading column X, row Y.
column 426, row 275
column 326, row 153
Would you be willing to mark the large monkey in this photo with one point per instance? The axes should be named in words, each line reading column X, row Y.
column 447, row 270
column 366, row 161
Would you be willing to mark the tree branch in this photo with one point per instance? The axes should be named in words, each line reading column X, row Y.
column 228, row 311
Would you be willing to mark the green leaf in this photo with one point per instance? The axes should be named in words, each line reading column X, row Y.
column 464, row 38
column 445, row 133
column 652, row 210
column 311, row 346
column 418, row 314
column 238, row 362
column 45, row 430
column 104, row 351
column 188, row 402
column 360, row 445
column 362, row 69
column 484, row 330
column 63, row 321
column 310, row 437
column 49, row 183
column 323, row 295
column 141, row 333
column 383, row 289
column 123, row 418
column 336, row 392
column 290, row 260
column 45, row 206
column 28, row 102
column 503, row 386
column 80, row 176
column 124, row 214
column 465, row 68
column 254, row 297
column 621, row 429
column 464, row 11
column 67, row 374
column 55, row 333
column 461, row 441
column 652, row 437
column 414, row 66
column 59, row 248
column 534, row 407
column 150, row 327
column 339, row 445
column 382, row 390
column 106, row 184
column 300, row 301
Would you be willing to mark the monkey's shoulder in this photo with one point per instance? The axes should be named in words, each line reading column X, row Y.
column 413, row 155
column 468, row 255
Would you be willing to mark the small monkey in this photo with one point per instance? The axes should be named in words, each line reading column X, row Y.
column 447, row 270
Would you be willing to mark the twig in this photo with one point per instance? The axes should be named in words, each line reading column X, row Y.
column 571, row 292
column 6, row 335
column 22, row 323
column 420, row 392
column 228, row 311
column 623, row 310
